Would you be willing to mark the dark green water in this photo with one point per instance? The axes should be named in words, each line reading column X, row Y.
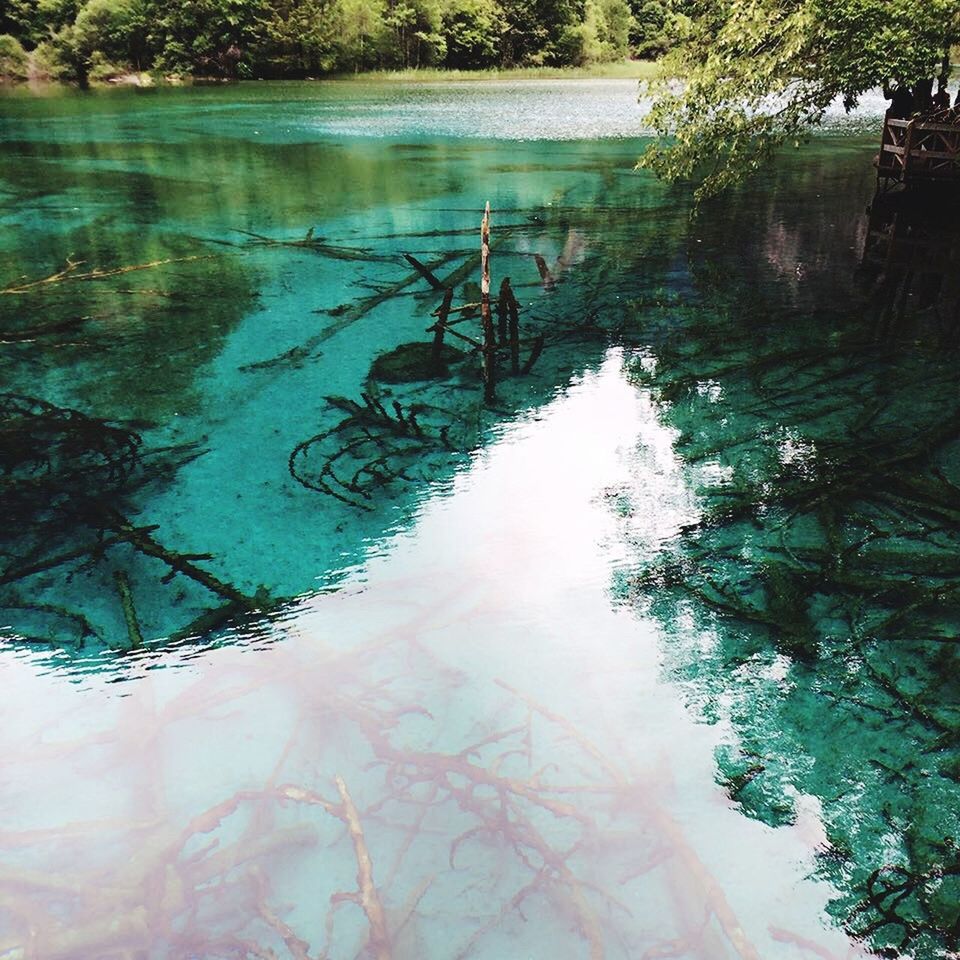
column 653, row 656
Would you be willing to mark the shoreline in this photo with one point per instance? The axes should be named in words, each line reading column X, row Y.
column 625, row 70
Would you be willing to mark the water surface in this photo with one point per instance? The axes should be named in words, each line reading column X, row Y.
column 514, row 681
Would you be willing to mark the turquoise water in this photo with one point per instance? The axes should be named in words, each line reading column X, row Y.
column 651, row 656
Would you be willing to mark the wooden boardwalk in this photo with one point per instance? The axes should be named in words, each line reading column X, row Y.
column 921, row 150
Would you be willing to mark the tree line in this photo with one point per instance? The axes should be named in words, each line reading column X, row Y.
column 82, row 40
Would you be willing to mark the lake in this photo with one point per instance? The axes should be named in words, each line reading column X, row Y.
column 311, row 651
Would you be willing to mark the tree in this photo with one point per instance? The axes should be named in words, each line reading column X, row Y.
column 13, row 59
column 538, row 30
column 37, row 20
column 649, row 35
column 299, row 37
column 206, row 36
column 116, row 29
column 80, row 40
column 602, row 36
column 758, row 73
column 416, row 27
column 361, row 26
column 472, row 29
column 617, row 25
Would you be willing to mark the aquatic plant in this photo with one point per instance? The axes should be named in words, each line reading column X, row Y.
column 108, row 318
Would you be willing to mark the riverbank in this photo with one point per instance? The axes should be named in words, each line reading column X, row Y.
column 618, row 70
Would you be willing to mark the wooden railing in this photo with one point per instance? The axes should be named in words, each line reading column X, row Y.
column 921, row 149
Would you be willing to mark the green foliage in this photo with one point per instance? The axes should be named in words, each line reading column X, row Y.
column 299, row 37
column 64, row 58
column 416, row 28
column 617, row 26
column 538, row 31
column 649, row 36
column 111, row 30
column 107, row 39
column 362, row 34
column 205, row 36
column 473, row 29
column 758, row 73
column 101, row 69
column 602, row 36
column 96, row 39
column 13, row 59
column 48, row 64
column 37, row 20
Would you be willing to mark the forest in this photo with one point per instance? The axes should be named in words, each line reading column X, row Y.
column 88, row 40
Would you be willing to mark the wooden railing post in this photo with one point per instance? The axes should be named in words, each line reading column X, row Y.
column 907, row 144
column 486, row 318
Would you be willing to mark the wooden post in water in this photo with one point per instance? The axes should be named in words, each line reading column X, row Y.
column 503, row 309
column 489, row 333
column 513, row 309
column 439, row 328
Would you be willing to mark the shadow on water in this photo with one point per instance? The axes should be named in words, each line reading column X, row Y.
column 814, row 604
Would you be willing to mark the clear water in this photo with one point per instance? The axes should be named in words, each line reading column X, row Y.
column 484, row 693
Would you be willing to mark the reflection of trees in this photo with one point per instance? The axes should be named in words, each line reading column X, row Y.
column 825, row 569
column 167, row 324
column 794, row 234
column 134, row 322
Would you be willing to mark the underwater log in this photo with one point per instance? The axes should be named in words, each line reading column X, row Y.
column 424, row 271
column 439, row 326
column 368, row 898
column 534, row 353
column 134, row 634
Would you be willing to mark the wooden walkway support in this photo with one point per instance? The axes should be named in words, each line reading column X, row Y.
column 486, row 318
column 913, row 231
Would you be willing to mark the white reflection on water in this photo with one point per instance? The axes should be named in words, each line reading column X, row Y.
column 284, row 112
column 465, row 753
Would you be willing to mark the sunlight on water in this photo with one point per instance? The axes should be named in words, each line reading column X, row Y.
column 468, row 724
column 277, row 112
